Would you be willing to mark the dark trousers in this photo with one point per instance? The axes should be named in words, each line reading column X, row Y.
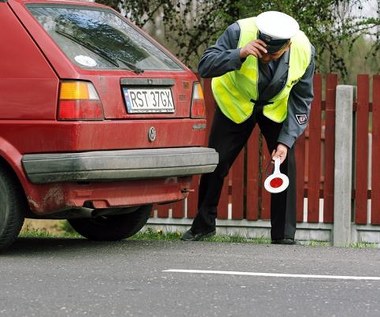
column 228, row 139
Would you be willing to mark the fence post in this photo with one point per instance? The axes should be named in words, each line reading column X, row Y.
column 343, row 165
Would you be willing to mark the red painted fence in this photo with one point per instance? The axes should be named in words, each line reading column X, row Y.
column 243, row 188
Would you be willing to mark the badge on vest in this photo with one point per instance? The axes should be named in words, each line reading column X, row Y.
column 301, row 118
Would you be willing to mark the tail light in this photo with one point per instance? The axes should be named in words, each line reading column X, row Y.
column 198, row 108
column 78, row 100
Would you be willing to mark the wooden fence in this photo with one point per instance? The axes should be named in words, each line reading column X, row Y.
column 243, row 195
column 367, row 150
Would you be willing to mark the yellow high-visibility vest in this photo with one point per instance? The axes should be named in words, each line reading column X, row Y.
column 234, row 90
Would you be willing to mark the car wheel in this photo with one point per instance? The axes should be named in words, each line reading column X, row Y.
column 12, row 209
column 112, row 227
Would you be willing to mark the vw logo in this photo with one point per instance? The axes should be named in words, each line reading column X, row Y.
column 152, row 134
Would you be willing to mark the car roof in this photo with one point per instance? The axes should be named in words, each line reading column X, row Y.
column 72, row 2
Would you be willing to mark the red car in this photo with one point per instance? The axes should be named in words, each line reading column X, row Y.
column 98, row 122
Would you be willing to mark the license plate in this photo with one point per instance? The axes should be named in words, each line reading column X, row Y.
column 148, row 100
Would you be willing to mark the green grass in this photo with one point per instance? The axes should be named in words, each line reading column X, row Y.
column 151, row 234
column 35, row 234
column 147, row 234
column 363, row 245
column 317, row 243
column 63, row 230
column 239, row 239
column 40, row 233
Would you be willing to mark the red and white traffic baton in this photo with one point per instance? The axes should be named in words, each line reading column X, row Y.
column 277, row 181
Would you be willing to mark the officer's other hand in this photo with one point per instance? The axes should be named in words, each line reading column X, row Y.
column 255, row 48
column 280, row 152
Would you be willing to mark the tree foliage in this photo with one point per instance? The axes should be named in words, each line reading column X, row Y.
column 187, row 27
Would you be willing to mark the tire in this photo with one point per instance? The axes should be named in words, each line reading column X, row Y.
column 12, row 208
column 112, row 228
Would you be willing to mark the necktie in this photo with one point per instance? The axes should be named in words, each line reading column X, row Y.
column 267, row 69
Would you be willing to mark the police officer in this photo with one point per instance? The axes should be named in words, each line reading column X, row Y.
column 262, row 69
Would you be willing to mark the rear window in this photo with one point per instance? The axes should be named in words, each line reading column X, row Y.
column 96, row 38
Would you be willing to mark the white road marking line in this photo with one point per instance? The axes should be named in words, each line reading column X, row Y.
column 310, row 276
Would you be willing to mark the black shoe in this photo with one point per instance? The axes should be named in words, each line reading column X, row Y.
column 190, row 236
column 285, row 241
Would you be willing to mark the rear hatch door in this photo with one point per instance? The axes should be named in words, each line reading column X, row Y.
column 134, row 76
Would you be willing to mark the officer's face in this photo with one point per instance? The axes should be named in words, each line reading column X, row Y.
column 268, row 57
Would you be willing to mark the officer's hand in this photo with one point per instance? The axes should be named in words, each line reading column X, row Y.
column 255, row 48
column 280, row 152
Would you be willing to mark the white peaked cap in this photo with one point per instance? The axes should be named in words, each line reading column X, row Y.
column 277, row 25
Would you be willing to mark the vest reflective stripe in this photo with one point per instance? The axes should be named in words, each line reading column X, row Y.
column 234, row 90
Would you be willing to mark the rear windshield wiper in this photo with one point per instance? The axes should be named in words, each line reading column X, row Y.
column 136, row 69
column 113, row 60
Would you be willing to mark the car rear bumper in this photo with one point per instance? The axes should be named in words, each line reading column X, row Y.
column 119, row 165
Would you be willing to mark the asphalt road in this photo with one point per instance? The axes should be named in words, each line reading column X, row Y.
column 76, row 277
